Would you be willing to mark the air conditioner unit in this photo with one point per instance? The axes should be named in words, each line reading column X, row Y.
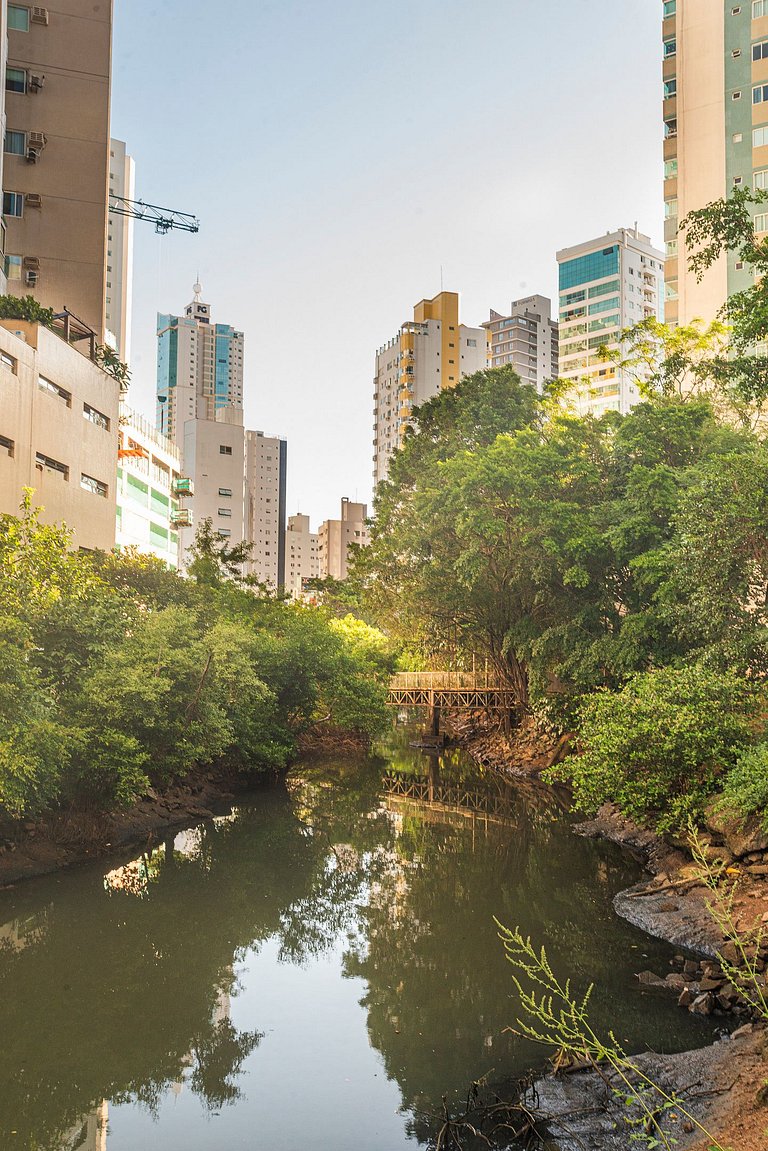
column 31, row 278
column 32, row 155
column 31, row 263
column 39, row 15
column 37, row 140
column 36, row 83
column 33, row 200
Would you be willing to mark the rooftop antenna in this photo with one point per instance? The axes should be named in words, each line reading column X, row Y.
column 197, row 288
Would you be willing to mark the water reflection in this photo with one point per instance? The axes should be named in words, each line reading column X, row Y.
column 122, row 987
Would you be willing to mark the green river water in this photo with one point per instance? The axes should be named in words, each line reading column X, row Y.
column 314, row 970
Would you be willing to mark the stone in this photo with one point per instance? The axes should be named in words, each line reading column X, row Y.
column 675, row 981
column 730, row 952
column 686, row 997
column 703, row 1004
column 741, row 836
column 745, row 1029
column 668, row 905
column 762, row 1096
column 757, row 869
column 710, row 983
column 650, row 979
column 691, row 967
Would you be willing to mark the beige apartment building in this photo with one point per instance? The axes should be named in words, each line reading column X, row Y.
column 430, row 353
column 715, row 110
column 265, row 490
column 213, row 457
column 56, row 175
column 301, row 555
column 336, row 537
column 59, row 419
column 526, row 339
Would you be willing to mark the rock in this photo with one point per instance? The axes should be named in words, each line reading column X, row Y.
column 741, row 836
column 691, row 967
column 703, row 1004
column 745, row 1029
column 762, row 1096
column 757, row 869
column 717, row 854
column 709, row 983
column 649, row 979
column 686, row 997
column 675, row 981
column 730, row 952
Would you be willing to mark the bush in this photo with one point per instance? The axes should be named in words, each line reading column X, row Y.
column 658, row 747
column 745, row 791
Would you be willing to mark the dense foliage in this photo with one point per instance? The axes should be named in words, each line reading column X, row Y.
column 116, row 673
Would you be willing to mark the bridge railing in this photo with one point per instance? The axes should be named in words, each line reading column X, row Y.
column 443, row 681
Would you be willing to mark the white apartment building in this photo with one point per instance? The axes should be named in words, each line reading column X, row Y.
column 265, row 486
column 336, row 537
column 301, row 555
column 149, row 486
column 429, row 354
column 526, row 339
column 58, row 431
column 119, row 282
column 606, row 285
column 213, row 458
column 199, row 368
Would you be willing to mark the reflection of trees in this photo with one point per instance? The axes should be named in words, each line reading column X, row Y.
column 116, row 994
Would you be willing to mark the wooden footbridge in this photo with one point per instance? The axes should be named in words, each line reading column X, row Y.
column 449, row 691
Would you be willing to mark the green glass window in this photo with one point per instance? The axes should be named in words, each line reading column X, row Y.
column 18, row 18
column 15, row 80
column 669, row 8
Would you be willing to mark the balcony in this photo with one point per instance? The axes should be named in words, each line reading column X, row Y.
column 181, row 518
column 183, row 486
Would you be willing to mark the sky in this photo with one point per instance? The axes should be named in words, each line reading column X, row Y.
column 347, row 158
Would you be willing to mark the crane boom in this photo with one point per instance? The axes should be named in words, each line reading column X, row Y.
column 164, row 219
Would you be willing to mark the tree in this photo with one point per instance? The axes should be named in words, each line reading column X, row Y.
column 213, row 560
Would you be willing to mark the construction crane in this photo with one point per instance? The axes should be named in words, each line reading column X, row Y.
column 164, row 219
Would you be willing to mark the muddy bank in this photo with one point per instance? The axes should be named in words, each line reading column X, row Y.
column 61, row 840
column 524, row 752
column 717, row 1085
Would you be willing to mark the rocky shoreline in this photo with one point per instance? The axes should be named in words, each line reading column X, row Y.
column 723, row 1084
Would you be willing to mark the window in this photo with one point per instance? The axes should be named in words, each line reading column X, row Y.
column 760, row 94
column 759, row 8
column 669, row 8
column 670, row 87
column 225, row 512
column 737, row 137
column 54, row 390
column 736, row 53
column 13, row 204
column 736, row 95
column 93, row 485
column 670, row 47
column 18, row 18
column 760, row 137
column 7, row 444
column 670, row 128
column 224, row 532
column 16, row 143
column 52, row 465
column 761, row 222
column 735, row 11
column 225, row 450
column 15, row 80
column 225, row 491
column 13, row 267
column 670, row 209
column 96, row 417
column 670, row 168
column 471, row 343
column 760, row 180
column 8, row 361
column 670, row 290
column 760, row 50
column 671, row 247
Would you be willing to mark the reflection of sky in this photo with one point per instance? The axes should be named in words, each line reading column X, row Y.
column 313, row 1081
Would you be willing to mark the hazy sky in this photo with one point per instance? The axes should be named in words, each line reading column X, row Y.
column 339, row 153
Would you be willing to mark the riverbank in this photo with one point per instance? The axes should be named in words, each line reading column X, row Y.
column 724, row 1082
column 64, row 839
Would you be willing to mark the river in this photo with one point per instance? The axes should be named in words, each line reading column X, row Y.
column 314, row 970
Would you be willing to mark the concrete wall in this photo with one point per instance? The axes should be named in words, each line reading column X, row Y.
column 41, row 423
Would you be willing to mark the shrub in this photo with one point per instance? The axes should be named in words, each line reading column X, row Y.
column 745, row 790
column 658, row 747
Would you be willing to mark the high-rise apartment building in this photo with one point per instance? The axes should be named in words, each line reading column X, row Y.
column 430, row 353
column 120, row 254
column 265, row 488
column 606, row 285
column 56, row 172
column 199, row 368
column 526, row 339
column 213, row 459
column 715, row 93
column 301, row 555
column 336, row 537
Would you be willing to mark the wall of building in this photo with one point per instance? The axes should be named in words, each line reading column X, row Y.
column 526, row 339
column 67, row 232
column 119, row 285
column 265, row 484
column 301, row 555
column 213, row 457
column 59, row 426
